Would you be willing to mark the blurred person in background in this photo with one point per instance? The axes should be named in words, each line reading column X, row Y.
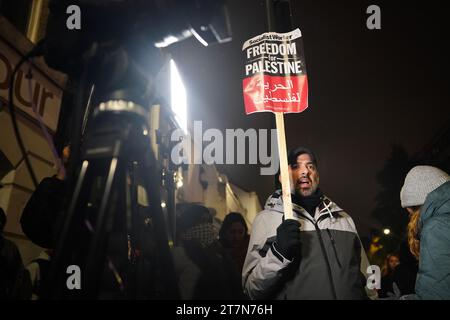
column 234, row 237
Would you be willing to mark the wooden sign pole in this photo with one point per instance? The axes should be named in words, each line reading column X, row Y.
column 284, row 171
column 279, row 118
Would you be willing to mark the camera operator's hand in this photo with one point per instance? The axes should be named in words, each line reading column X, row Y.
column 288, row 238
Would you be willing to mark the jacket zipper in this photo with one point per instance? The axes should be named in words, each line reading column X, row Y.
column 333, row 242
column 334, row 247
column 329, row 234
column 324, row 252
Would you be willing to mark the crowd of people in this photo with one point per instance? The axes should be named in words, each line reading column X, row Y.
column 316, row 255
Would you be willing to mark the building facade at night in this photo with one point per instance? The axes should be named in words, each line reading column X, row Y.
column 16, row 38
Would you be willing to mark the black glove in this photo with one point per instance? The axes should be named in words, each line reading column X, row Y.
column 288, row 238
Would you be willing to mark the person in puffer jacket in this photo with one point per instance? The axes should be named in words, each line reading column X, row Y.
column 426, row 196
column 316, row 255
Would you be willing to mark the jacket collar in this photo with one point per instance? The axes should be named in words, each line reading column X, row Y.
column 326, row 206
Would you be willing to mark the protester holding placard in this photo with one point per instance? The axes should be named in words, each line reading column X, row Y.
column 315, row 255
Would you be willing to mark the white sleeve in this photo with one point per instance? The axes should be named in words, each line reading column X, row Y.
column 263, row 263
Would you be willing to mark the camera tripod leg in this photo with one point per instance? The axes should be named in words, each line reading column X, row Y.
column 132, row 229
column 164, row 254
column 64, row 237
column 97, row 248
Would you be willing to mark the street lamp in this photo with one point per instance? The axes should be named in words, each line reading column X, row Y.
column 386, row 231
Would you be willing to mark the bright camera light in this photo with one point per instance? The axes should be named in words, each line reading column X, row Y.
column 178, row 96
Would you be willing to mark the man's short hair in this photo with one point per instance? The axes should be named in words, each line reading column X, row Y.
column 294, row 153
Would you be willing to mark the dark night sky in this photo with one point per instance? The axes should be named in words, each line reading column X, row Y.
column 367, row 90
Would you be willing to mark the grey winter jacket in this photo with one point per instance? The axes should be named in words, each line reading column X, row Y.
column 332, row 263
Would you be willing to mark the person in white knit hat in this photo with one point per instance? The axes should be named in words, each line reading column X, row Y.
column 426, row 196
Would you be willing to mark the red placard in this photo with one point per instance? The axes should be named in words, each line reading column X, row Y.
column 275, row 77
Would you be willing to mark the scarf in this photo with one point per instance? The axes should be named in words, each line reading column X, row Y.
column 309, row 203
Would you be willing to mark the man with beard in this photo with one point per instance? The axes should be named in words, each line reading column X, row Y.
column 316, row 255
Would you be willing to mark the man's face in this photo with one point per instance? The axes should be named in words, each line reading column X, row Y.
column 304, row 175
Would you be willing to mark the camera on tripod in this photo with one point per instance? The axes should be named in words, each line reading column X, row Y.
column 112, row 62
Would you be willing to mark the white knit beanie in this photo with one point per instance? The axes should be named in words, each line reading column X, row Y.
column 419, row 182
